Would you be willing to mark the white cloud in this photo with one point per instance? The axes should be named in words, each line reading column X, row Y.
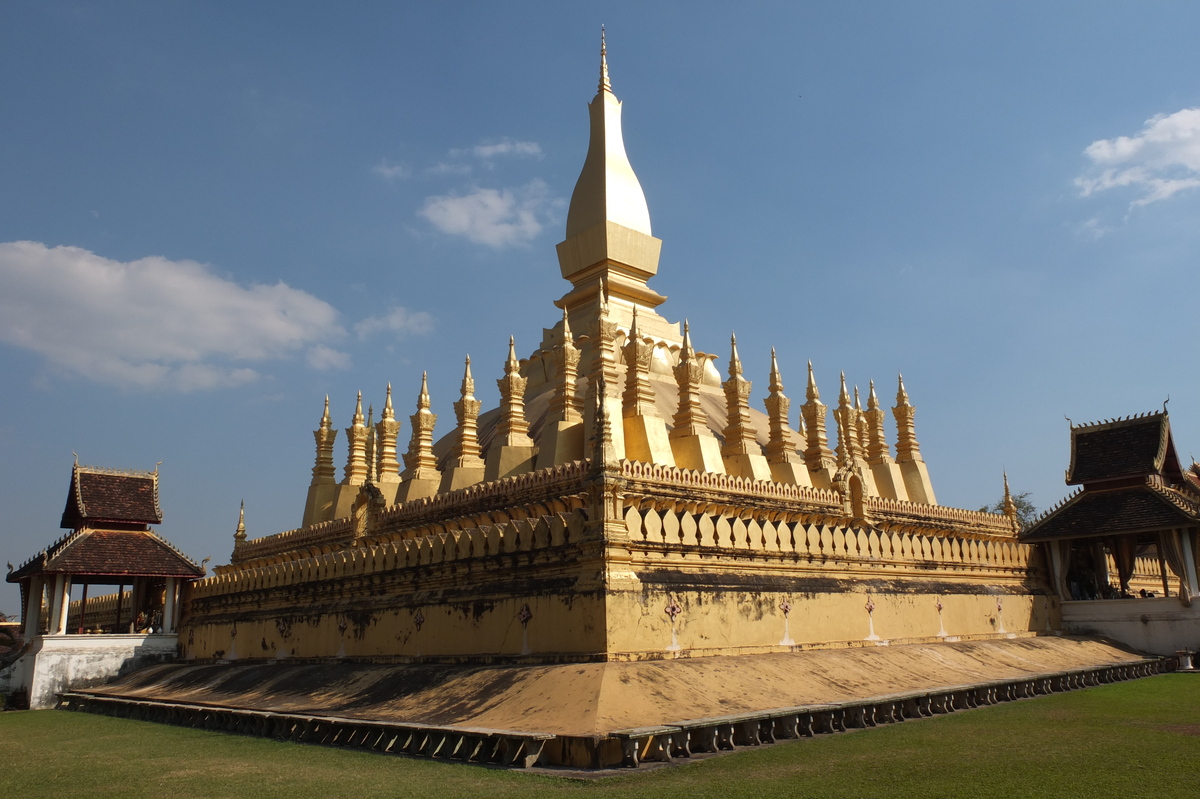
column 323, row 358
column 495, row 217
column 505, row 147
column 487, row 153
column 153, row 323
column 443, row 168
column 1161, row 160
column 400, row 321
column 392, row 170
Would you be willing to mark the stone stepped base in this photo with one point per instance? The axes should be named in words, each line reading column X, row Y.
column 600, row 715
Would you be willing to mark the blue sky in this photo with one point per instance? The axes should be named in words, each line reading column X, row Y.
column 230, row 210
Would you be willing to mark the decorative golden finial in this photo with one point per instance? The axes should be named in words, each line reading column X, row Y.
column 844, row 395
column 901, row 393
column 358, row 415
column 567, row 325
column 811, row 392
column 687, row 351
column 1009, row 506
column 239, row 535
column 423, row 400
column 510, row 366
column 468, row 382
column 388, row 410
column 605, row 85
column 872, row 400
column 735, row 362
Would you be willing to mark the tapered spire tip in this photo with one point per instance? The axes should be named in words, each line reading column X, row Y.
column 605, row 84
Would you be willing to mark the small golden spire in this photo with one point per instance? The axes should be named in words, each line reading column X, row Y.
column 687, row 351
column 358, row 416
column 240, row 534
column 817, row 454
column 386, row 468
column 779, row 449
column 907, row 448
column 512, row 428
column 567, row 326
column 372, row 440
column 1010, row 507
column 465, row 451
column 323, row 470
column 605, row 85
column 844, row 395
column 419, row 461
column 875, row 442
column 735, row 362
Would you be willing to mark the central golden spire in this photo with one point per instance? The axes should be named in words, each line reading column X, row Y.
column 607, row 189
column 608, row 246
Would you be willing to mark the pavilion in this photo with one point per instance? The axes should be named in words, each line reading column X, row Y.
column 110, row 543
column 1117, row 545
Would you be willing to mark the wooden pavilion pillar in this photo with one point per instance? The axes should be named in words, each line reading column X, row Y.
column 1189, row 561
column 168, row 622
column 33, row 606
column 60, row 605
column 83, row 610
column 1162, row 568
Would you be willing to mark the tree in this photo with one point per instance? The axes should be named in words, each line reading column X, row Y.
column 1026, row 510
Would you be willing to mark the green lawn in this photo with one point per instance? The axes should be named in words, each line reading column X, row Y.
column 1133, row 739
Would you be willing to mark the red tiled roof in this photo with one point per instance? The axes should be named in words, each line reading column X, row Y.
column 1093, row 514
column 129, row 552
column 100, row 495
column 1122, row 448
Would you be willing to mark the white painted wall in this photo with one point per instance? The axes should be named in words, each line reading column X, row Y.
column 57, row 663
column 1159, row 625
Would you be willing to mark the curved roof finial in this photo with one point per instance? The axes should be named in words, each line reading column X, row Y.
column 605, row 85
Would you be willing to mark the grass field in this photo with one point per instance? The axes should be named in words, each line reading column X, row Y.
column 1132, row 739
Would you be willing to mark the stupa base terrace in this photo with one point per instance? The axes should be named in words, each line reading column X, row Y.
column 618, row 560
column 599, row 715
